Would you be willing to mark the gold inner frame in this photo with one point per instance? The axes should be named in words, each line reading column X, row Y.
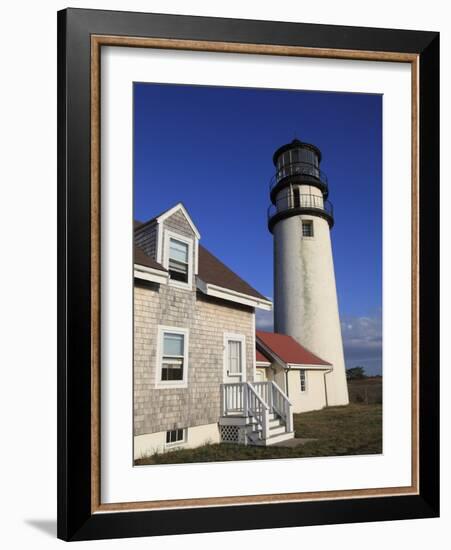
column 97, row 41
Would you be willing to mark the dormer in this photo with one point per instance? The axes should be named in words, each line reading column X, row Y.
column 172, row 240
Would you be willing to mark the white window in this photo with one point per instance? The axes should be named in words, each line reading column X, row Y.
column 172, row 357
column 307, row 228
column 303, row 380
column 174, row 437
column 234, row 358
column 178, row 259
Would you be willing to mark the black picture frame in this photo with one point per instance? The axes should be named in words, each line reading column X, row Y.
column 76, row 521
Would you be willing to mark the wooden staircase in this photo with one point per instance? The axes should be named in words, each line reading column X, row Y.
column 260, row 411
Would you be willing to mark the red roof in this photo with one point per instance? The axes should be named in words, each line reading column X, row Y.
column 288, row 349
column 260, row 357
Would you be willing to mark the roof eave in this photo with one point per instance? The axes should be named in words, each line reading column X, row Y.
column 232, row 295
column 270, row 352
column 307, row 366
column 150, row 274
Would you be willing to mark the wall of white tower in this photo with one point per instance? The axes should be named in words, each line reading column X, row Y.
column 305, row 296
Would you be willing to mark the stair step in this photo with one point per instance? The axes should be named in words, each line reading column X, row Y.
column 276, row 430
column 276, row 439
column 273, row 420
column 275, row 423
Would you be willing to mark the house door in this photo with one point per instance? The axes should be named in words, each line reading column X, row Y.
column 234, row 363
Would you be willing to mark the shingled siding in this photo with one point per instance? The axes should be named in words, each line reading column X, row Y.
column 179, row 224
column 157, row 410
column 146, row 239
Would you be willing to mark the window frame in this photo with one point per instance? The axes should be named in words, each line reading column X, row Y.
column 307, row 223
column 168, row 235
column 178, row 442
column 183, row 383
column 234, row 337
column 303, row 373
column 172, row 240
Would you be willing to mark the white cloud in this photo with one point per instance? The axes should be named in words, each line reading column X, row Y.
column 362, row 338
column 264, row 320
column 362, row 342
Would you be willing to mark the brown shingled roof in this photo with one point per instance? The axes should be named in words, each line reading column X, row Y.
column 213, row 271
column 141, row 258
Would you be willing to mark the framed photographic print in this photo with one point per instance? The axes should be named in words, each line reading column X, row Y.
column 248, row 274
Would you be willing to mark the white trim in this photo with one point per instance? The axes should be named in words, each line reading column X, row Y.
column 233, row 296
column 176, row 208
column 254, row 359
column 262, row 364
column 168, row 235
column 196, row 256
column 238, row 338
column 159, row 238
column 299, row 366
column 161, row 329
column 150, row 274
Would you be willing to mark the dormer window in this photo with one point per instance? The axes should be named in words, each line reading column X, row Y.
column 178, row 260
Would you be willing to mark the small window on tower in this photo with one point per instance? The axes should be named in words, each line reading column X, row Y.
column 307, row 228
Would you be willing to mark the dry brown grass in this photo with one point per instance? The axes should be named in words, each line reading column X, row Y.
column 352, row 430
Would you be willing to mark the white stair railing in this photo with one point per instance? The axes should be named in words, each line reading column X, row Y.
column 256, row 407
column 257, row 400
column 282, row 406
column 264, row 391
column 232, row 398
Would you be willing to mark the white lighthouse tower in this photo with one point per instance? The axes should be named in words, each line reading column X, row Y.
column 305, row 296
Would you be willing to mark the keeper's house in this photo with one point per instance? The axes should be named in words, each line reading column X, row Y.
column 202, row 373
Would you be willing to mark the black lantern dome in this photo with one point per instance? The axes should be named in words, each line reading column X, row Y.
column 297, row 170
column 298, row 162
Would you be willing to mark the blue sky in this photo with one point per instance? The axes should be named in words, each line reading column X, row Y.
column 211, row 148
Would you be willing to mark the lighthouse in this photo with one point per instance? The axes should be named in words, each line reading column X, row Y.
column 305, row 297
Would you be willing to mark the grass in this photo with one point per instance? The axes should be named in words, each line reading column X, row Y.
column 351, row 430
column 367, row 390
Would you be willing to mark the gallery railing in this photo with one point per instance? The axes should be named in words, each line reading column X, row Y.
column 305, row 201
column 310, row 171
